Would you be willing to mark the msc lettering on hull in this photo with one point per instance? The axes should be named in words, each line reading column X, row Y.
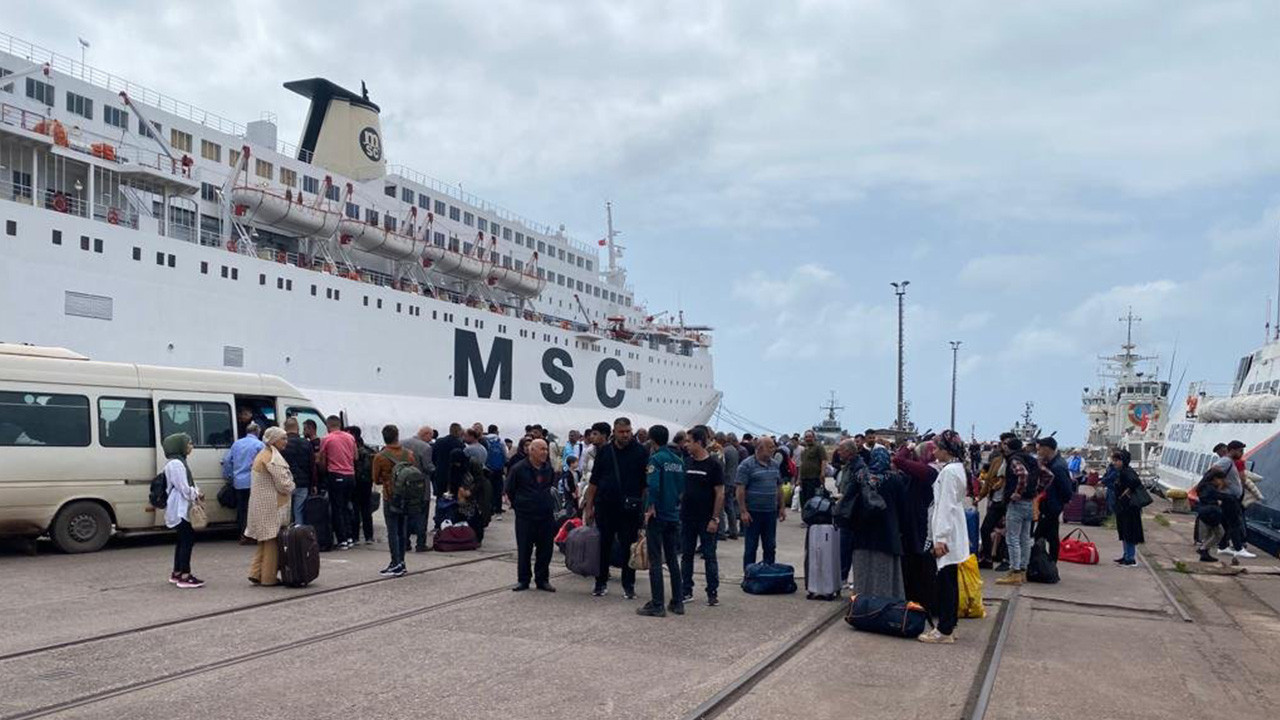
column 469, row 365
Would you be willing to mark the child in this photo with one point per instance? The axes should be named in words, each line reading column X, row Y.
column 567, row 487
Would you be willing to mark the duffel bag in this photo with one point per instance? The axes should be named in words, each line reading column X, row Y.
column 886, row 616
column 582, row 551
column 1077, row 548
column 569, row 526
column 1040, row 567
column 456, row 538
column 769, row 579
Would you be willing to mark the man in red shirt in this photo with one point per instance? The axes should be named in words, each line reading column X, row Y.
column 338, row 457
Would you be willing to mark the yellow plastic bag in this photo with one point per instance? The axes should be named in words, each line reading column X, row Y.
column 970, row 582
column 786, row 494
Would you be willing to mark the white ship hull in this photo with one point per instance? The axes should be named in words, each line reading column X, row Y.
column 441, row 363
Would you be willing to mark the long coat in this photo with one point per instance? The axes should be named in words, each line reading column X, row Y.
column 268, row 495
column 1128, row 518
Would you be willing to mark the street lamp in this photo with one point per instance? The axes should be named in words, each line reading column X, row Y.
column 900, row 289
column 955, row 351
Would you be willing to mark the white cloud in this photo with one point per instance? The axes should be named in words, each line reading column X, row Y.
column 1038, row 342
column 1006, row 272
column 1154, row 300
column 768, row 291
column 974, row 321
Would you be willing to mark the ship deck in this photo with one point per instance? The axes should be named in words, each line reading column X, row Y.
column 104, row 635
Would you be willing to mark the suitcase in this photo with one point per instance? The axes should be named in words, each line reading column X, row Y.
column 315, row 512
column 456, row 538
column 769, row 579
column 1095, row 510
column 299, row 555
column 886, row 616
column 818, row 511
column 822, row 562
column 1074, row 510
column 582, row 551
column 971, row 522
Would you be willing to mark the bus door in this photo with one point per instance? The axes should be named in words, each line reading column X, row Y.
column 209, row 419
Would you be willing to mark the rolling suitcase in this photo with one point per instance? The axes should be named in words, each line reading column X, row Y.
column 299, row 555
column 315, row 512
column 971, row 522
column 822, row 562
column 582, row 551
column 1074, row 511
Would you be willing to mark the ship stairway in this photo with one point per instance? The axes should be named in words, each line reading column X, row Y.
column 135, row 200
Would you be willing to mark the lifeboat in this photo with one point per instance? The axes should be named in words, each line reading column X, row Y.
column 263, row 207
column 377, row 240
column 453, row 263
column 516, row 282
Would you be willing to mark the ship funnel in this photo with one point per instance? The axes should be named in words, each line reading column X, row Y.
column 342, row 132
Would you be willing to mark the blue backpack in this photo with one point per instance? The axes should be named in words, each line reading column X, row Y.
column 497, row 457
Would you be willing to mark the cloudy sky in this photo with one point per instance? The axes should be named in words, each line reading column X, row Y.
column 1033, row 169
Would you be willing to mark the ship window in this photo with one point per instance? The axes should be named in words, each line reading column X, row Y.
column 482, row 224
column 80, row 105
column 468, row 219
column 235, row 272
column 115, row 117
column 424, row 202
column 542, row 248
column 332, row 192
column 40, row 91
column 589, row 266
column 210, row 151
column 454, row 213
column 433, row 315
column 328, row 293
column 313, row 290
column 379, row 303
column 371, row 216
column 279, row 283
column 310, row 185
column 208, row 192
column 519, row 266
column 337, row 294
column 398, row 307
column 125, row 422
column 262, row 168
column 390, row 222
column 11, row 228
column 208, row 424
column 389, row 191
column 137, row 253
column 353, row 211
column 579, row 261
column 438, row 239
column 520, row 238
column 506, row 261
column 27, row 418
column 493, row 257
column 150, row 131
column 579, row 283
column 506, row 235
column 288, row 177
column 204, row 265
column 97, row 245
column 570, row 256
column 233, row 158
column 406, row 194
column 262, row 278
column 288, row 285
column 467, row 248
column 160, row 260
column 180, row 140
column 440, row 207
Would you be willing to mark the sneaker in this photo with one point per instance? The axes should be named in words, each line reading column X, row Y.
column 688, row 595
column 399, row 571
column 173, row 578
column 368, row 541
column 676, row 607
column 191, row 581
column 600, row 591
column 1245, row 554
column 520, row 587
column 1118, row 561
column 1002, row 567
column 984, row 565
column 1010, row 579
column 934, row 637
column 388, row 571
column 651, row 610
column 546, row 587
column 1205, row 557
column 629, row 593
column 1228, row 551
column 712, row 601
column 1128, row 563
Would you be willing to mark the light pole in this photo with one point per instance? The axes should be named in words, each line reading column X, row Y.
column 900, row 289
column 955, row 352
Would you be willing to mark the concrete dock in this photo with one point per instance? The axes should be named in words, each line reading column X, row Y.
column 104, row 635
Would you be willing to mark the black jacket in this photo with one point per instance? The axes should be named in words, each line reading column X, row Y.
column 440, row 451
column 302, row 461
column 881, row 531
column 627, row 465
column 1128, row 518
column 1060, row 488
column 530, row 489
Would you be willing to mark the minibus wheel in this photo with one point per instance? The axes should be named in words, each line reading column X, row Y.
column 80, row 527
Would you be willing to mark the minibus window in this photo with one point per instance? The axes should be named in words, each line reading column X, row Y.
column 208, row 424
column 304, row 414
column 125, row 423
column 28, row 418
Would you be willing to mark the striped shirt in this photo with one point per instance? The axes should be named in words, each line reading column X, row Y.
column 761, row 482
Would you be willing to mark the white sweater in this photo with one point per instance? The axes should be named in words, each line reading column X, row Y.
column 946, row 515
column 181, row 494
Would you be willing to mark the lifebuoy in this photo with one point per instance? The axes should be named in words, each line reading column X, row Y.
column 60, row 202
column 113, row 216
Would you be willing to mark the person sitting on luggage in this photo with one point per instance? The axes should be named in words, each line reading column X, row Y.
column 472, row 490
column 1210, row 492
column 271, row 492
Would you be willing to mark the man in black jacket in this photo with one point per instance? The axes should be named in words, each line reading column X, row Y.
column 615, row 501
column 301, row 457
column 529, row 487
column 441, row 452
column 1057, row 495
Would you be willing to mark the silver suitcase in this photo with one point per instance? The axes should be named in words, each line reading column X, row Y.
column 822, row 562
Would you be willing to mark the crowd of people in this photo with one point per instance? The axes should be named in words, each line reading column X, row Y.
column 904, row 529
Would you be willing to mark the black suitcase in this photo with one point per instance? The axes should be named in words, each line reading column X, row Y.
column 299, row 555
column 315, row 512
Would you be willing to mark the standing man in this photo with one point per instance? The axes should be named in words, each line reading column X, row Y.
column 529, row 486
column 700, row 513
column 338, row 459
column 494, row 464
column 1056, row 496
column 477, row 453
column 1022, row 480
column 732, row 458
column 761, row 502
column 440, row 453
column 813, row 459
column 237, row 466
column 420, row 446
column 615, row 501
column 665, row 482
column 1232, row 465
column 384, row 464
column 302, row 464
column 575, row 447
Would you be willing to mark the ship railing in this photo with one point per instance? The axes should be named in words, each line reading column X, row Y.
column 21, row 117
column 15, row 191
column 138, row 93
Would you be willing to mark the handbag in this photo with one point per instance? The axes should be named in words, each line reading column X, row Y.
column 639, row 553
column 630, row 504
column 1139, row 496
column 197, row 515
column 872, row 500
column 1077, row 548
column 227, row 495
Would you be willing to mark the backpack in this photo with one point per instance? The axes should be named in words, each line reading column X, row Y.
column 497, row 454
column 159, row 495
column 787, row 468
column 364, row 464
column 408, row 487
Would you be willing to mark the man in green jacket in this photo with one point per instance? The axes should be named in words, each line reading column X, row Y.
column 664, row 486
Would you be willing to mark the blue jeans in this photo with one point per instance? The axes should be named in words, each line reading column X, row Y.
column 397, row 533
column 300, row 496
column 1130, row 551
column 763, row 530
column 690, row 533
column 1017, row 532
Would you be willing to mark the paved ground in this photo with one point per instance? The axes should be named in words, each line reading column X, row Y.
column 450, row 640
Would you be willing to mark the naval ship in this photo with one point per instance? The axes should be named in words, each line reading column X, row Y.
column 1129, row 409
column 139, row 228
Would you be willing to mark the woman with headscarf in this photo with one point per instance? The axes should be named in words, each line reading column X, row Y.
column 919, row 570
column 1128, row 516
column 269, row 497
column 183, row 493
column 879, row 506
column 469, row 485
column 948, row 533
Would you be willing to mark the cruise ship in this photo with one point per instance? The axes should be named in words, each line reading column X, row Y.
column 138, row 228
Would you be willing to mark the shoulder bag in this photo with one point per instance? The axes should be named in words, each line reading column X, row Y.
column 196, row 514
column 630, row 504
